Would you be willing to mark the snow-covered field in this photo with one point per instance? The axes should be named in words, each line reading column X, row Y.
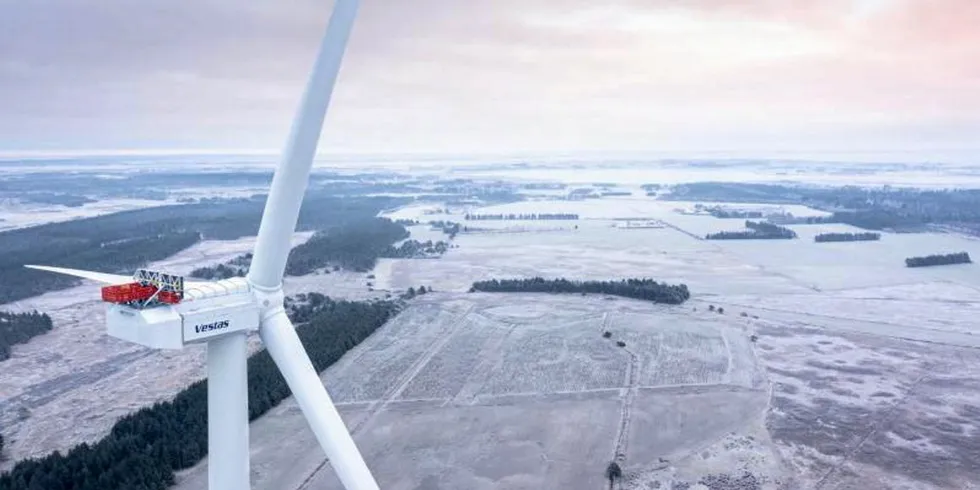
column 588, row 248
column 867, row 411
column 593, row 248
column 862, row 375
column 13, row 216
column 479, row 391
column 868, row 362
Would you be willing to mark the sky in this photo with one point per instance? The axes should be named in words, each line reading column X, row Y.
column 485, row 76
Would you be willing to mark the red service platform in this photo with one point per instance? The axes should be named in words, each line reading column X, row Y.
column 125, row 293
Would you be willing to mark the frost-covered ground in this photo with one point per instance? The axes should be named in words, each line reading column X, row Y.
column 861, row 375
column 479, row 391
column 867, row 366
column 15, row 215
column 866, row 411
column 588, row 248
column 20, row 215
column 784, row 172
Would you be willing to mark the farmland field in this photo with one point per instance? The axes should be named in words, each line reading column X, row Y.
column 526, row 399
column 832, row 366
column 795, row 365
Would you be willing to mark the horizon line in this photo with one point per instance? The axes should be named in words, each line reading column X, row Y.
column 320, row 155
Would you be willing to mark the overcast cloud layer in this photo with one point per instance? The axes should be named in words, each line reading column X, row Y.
column 496, row 75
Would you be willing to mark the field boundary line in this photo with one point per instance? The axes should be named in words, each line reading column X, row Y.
column 886, row 418
column 378, row 406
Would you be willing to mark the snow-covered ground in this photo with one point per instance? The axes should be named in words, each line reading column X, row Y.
column 956, row 168
column 868, row 376
column 869, row 362
column 21, row 215
column 655, row 174
column 15, row 215
column 593, row 248
column 472, row 391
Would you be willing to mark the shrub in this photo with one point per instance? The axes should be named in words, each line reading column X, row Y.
column 613, row 471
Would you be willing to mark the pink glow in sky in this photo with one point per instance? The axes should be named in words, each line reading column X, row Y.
column 498, row 75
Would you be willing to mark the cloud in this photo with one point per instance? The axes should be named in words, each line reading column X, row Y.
column 505, row 74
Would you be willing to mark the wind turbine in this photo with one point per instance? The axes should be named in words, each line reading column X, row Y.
column 161, row 311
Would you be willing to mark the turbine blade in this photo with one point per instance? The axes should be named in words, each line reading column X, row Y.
column 107, row 278
column 90, row 275
column 290, row 181
column 287, row 351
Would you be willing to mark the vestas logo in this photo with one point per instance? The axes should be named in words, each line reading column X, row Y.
column 210, row 327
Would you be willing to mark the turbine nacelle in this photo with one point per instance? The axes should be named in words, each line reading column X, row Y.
column 222, row 308
column 139, row 310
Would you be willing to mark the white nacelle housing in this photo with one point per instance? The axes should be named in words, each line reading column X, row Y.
column 209, row 311
column 155, row 327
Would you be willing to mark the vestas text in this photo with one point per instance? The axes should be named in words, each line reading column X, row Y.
column 210, row 327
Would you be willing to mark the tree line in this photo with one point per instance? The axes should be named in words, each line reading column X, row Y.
column 789, row 219
column 355, row 246
column 757, row 230
column 871, row 208
column 943, row 259
column 145, row 448
column 720, row 212
column 157, row 185
column 67, row 200
column 769, row 228
column 511, row 217
column 303, row 306
column 652, row 189
column 219, row 272
column 645, row 289
column 448, row 227
column 410, row 249
column 236, row 267
column 847, row 237
column 18, row 328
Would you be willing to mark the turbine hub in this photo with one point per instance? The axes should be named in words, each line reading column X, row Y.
column 268, row 300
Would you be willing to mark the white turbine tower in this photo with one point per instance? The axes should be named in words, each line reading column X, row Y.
column 159, row 310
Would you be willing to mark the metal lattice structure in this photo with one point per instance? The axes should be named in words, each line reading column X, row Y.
column 160, row 280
